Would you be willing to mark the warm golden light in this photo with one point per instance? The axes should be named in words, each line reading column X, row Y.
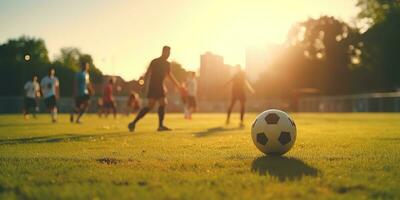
column 27, row 57
column 141, row 82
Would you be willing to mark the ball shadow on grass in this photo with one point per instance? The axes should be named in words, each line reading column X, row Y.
column 283, row 168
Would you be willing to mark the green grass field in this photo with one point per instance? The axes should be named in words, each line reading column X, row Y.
column 336, row 156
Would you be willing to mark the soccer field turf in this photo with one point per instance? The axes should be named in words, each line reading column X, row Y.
column 336, row 156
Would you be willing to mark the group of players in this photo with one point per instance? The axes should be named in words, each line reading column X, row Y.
column 49, row 88
column 154, row 92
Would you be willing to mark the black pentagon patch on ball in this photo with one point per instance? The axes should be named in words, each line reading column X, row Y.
column 262, row 139
column 292, row 122
column 272, row 118
column 284, row 138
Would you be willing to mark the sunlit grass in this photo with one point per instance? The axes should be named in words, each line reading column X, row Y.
column 335, row 156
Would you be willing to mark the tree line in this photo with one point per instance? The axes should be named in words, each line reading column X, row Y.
column 25, row 57
column 328, row 56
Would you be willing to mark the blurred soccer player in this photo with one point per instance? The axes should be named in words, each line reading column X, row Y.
column 108, row 99
column 191, row 85
column 239, row 85
column 32, row 93
column 184, row 96
column 100, row 106
column 50, row 89
column 132, row 105
column 82, row 91
column 155, row 75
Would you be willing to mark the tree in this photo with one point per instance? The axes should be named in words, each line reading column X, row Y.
column 68, row 62
column 20, row 59
column 24, row 57
column 316, row 55
column 381, row 42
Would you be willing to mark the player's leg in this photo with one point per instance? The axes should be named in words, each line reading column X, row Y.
column 75, row 109
column 162, row 102
column 114, row 109
column 228, row 116
column 185, row 108
column 25, row 110
column 34, row 107
column 82, row 108
column 53, row 109
column 142, row 113
column 242, row 110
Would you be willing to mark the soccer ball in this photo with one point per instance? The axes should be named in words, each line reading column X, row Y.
column 273, row 132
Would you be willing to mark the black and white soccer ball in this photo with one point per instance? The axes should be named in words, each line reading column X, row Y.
column 273, row 132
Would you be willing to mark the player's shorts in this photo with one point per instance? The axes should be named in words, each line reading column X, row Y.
column 238, row 95
column 81, row 100
column 155, row 92
column 50, row 101
column 29, row 103
column 191, row 102
column 109, row 104
column 184, row 100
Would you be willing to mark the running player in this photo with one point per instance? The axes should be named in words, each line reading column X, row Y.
column 183, row 92
column 155, row 75
column 82, row 91
column 50, row 90
column 191, row 85
column 32, row 93
column 239, row 85
column 108, row 99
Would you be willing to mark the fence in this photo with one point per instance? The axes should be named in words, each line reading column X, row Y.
column 373, row 102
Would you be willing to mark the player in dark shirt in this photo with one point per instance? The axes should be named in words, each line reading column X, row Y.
column 239, row 86
column 155, row 75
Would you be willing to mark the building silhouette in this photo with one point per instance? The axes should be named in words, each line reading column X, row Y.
column 213, row 75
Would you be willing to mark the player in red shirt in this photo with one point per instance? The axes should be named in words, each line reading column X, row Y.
column 108, row 99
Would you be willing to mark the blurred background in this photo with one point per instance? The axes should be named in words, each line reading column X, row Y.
column 331, row 56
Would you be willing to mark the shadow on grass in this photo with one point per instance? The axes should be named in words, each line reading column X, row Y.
column 9, row 125
column 390, row 139
column 214, row 130
column 283, row 168
column 60, row 138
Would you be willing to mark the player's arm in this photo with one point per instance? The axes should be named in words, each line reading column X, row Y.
column 148, row 72
column 90, row 88
column 249, row 87
column 227, row 82
column 173, row 79
column 57, row 89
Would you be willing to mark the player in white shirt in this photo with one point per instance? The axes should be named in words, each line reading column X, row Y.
column 191, row 85
column 50, row 90
column 32, row 92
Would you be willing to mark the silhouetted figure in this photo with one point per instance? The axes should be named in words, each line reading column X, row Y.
column 82, row 91
column 191, row 85
column 239, row 86
column 155, row 75
column 32, row 93
column 108, row 99
column 50, row 89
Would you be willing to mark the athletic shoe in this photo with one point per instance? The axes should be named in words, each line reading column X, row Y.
column 163, row 128
column 131, row 127
column 71, row 118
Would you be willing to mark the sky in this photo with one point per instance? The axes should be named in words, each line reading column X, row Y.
column 123, row 36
